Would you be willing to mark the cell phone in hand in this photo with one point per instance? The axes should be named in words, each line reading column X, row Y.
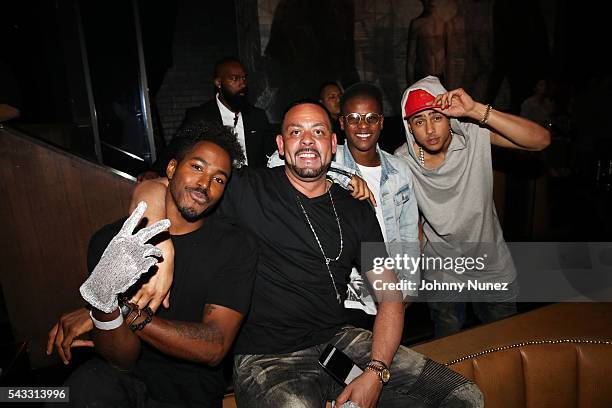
column 339, row 365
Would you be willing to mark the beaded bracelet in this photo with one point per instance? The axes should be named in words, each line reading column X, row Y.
column 485, row 118
column 147, row 320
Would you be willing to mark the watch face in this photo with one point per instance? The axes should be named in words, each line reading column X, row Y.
column 385, row 375
column 125, row 310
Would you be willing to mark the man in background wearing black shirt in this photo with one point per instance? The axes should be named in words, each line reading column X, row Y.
column 177, row 363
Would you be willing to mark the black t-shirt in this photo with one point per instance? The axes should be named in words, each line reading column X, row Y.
column 294, row 304
column 213, row 265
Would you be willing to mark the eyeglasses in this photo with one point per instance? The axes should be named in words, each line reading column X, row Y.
column 371, row 118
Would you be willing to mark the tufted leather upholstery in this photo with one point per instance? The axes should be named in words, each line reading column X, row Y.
column 562, row 367
column 544, row 375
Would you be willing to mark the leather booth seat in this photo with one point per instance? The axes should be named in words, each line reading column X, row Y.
column 556, row 356
column 556, row 373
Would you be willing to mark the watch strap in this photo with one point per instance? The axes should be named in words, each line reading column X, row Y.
column 380, row 369
column 375, row 371
column 380, row 363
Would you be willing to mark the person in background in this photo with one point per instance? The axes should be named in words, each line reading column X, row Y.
column 230, row 107
column 538, row 107
column 330, row 94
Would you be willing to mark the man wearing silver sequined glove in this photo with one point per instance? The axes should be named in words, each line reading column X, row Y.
column 125, row 259
column 172, row 357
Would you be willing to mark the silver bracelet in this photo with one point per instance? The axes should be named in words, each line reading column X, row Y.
column 110, row 325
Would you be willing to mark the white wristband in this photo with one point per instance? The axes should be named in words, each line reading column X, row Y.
column 110, row 325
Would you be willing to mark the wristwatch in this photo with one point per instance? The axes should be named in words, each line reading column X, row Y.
column 125, row 310
column 126, row 307
column 380, row 369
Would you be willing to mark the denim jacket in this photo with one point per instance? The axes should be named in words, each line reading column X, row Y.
column 399, row 205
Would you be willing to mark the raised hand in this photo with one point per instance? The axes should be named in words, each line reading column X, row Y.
column 125, row 258
column 456, row 103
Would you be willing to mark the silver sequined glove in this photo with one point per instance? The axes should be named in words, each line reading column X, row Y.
column 125, row 258
column 349, row 404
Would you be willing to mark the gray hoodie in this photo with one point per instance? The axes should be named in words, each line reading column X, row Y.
column 456, row 198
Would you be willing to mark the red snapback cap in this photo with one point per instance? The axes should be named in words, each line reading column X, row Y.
column 417, row 101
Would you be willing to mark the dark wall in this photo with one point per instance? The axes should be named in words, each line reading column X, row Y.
column 205, row 32
column 311, row 42
column 521, row 50
column 33, row 49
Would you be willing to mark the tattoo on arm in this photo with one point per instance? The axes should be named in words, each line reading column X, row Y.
column 209, row 309
column 209, row 333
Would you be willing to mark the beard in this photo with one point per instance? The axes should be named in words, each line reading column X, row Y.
column 190, row 214
column 235, row 101
column 308, row 172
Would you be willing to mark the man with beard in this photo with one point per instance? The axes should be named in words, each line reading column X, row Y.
column 230, row 107
column 174, row 356
column 310, row 233
column 360, row 114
